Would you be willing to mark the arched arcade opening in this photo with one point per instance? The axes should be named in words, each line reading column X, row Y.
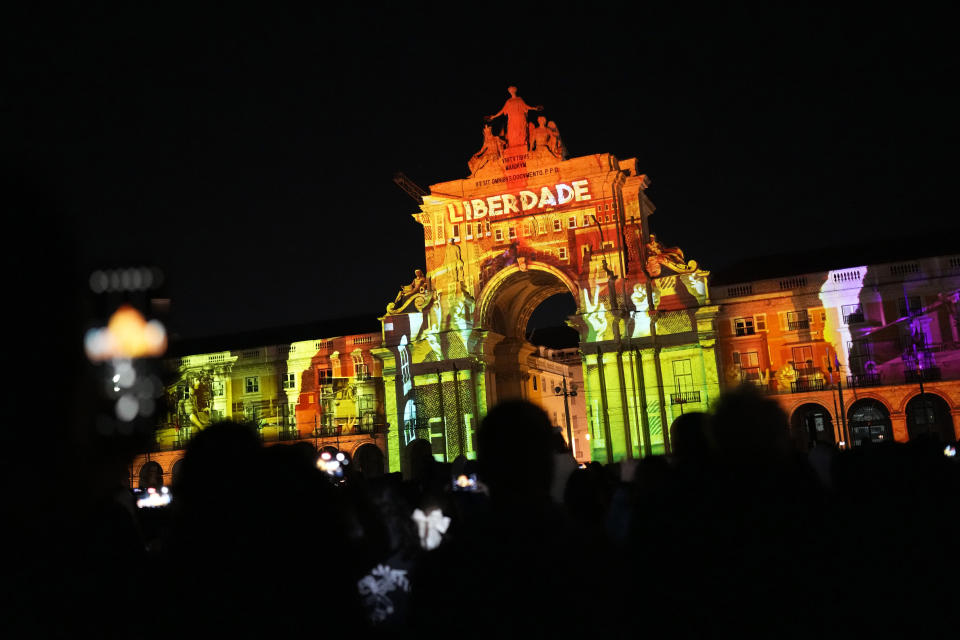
column 869, row 421
column 369, row 459
column 506, row 306
column 151, row 475
column 811, row 425
column 928, row 415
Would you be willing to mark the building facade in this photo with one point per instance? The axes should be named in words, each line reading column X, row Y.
column 868, row 352
column 852, row 354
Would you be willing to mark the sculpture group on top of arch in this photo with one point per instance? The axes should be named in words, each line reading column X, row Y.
column 538, row 144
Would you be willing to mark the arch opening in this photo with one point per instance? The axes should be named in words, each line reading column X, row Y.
column 506, row 306
column 928, row 416
column 151, row 475
column 811, row 425
column 547, row 326
column 869, row 421
column 510, row 300
column 369, row 459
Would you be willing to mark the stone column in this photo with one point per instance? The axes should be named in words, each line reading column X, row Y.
column 392, row 413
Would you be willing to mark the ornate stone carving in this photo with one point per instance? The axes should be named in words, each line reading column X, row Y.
column 672, row 258
column 490, row 154
column 416, row 294
column 559, row 149
column 541, row 138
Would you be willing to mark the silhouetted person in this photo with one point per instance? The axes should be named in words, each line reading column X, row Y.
column 690, row 439
column 257, row 533
column 517, row 570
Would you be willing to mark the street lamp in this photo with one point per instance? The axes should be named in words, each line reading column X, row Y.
column 843, row 412
column 562, row 391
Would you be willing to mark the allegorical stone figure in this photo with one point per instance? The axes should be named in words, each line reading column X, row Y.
column 419, row 281
column 671, row 257
column 541, row 138
column 492, row 149
column 559, row 149
column 415, row 294
column 516, row 111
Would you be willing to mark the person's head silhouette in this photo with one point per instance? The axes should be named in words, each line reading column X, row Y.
column 515, row 452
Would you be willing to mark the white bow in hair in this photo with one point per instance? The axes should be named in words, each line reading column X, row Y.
column 431, row 527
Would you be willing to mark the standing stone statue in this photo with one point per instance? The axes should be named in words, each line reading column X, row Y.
column 516, row 111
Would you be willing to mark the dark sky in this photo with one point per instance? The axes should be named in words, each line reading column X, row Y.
column 250, row 154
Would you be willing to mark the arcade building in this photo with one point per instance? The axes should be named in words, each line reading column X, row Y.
column 855, row 353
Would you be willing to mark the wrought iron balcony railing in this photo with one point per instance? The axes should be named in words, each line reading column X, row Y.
column 329, row 431
column 807, row 384
column 685, row 397
column 795, row 325
column 865, row 380
column 927, row 374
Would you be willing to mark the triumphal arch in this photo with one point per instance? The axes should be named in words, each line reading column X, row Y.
column 527, row 223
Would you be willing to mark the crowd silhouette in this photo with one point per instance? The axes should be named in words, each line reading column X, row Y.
column 734, row 532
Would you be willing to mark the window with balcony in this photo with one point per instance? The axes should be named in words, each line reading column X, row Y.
column 683, row 375
column 683, row 383
column 324, row 376
column 803, row 362
column 360, row 370
column 852, row 313
column 749, row 365
column 920, row 365
column 743, row 326
column 797, row 320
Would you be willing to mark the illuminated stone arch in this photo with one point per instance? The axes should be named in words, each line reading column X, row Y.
column 366, row 454
column 936, row 421
column 869, row 419
column 176, row 469
column 150, row 474
column 507, row 301
column 928, row 389
column 811, row 423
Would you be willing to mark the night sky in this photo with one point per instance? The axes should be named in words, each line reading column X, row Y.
column 250, row 154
